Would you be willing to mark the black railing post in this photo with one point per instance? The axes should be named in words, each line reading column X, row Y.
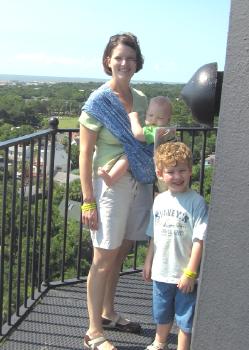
column 20, row 233
column 42, row 214
column 203, row 154
column 29, row 227
column 66, row 209
column 2, row 236
column 53, row 124
column 135, row 248
column 12, row 236
column 35, row 223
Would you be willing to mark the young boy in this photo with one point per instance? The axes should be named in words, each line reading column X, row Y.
column 174, row 253
column 158, row 114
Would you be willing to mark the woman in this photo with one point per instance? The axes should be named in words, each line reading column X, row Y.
column 117, row 215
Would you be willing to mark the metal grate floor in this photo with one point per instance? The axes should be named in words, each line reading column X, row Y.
column 60, row 320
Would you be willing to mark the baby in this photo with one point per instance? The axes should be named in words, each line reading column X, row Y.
column 158, row 115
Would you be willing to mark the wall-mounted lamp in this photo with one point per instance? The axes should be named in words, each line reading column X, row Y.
column 203, row 92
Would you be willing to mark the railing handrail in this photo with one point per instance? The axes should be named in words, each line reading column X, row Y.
column 24, row 139
column 39, row 232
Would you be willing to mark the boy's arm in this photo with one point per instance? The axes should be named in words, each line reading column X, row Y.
column 196, row 254
column 136, row 127
column 148, row 261
column 186, row 284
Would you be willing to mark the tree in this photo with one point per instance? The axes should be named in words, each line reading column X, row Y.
column 75, row 191
column 75, row 156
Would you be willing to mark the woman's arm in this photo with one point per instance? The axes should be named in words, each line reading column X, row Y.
column 87, row 144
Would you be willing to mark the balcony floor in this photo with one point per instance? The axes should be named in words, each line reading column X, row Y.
column 59, row 320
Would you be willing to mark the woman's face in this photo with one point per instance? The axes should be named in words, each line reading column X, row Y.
column 122, row 62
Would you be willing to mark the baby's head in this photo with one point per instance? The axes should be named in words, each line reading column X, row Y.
column 159, row 111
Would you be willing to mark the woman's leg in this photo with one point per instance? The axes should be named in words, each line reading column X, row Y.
column 110, row 290
column 100, row 271
column 112, row 202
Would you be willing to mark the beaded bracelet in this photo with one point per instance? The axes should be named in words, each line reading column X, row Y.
column 189, row 273
column 88, row 206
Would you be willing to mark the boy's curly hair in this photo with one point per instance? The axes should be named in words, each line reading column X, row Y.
column 169, row 153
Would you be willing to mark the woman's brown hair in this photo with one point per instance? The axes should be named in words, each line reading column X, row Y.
column 127, row 39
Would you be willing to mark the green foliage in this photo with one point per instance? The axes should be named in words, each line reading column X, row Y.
column 207, row 181
column 30, row 104
column 7, row 131
column 69, row 122
column 75, row 191
column 141, row 254
column 58, row 193
column 35, row 104
column 75, row 152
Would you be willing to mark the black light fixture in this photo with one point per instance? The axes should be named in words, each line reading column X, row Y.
column 203, row 92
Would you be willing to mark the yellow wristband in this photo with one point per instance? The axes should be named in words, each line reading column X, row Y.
column 88, row 206
column 189, row 273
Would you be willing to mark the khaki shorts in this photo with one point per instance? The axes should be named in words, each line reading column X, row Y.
column 123, row 211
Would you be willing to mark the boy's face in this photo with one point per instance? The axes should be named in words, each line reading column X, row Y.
column 177, row 177
column 158, row 114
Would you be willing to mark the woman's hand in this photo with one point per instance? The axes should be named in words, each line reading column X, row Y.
column 90, row 219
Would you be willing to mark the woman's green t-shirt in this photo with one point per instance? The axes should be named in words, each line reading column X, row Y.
column 108, row 147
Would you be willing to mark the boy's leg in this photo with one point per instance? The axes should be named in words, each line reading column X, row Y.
column 163, row 312
column 183, row 340
column 185, row 306
column 160, row 342
column 162, row 332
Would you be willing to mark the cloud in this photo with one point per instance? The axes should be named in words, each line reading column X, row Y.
column 38, row 58
column 42, row 63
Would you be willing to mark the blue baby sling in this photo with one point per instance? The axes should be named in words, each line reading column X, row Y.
column 106, row 107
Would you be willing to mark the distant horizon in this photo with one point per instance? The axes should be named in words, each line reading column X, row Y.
column 47, row 78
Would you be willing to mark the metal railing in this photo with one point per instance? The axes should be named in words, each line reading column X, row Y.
column 41, row 245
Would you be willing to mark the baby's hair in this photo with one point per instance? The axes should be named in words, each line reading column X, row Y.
column 161, row 99
column 169, row 153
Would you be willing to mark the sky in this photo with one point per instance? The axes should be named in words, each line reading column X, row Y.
column 66, row 38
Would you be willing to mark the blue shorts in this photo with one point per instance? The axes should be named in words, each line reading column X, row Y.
column 169, row 303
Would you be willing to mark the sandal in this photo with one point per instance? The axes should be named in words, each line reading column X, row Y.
column 96, row 343
column 116, row 325
column 157, row 346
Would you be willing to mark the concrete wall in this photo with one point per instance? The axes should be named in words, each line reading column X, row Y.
column 222, row 313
